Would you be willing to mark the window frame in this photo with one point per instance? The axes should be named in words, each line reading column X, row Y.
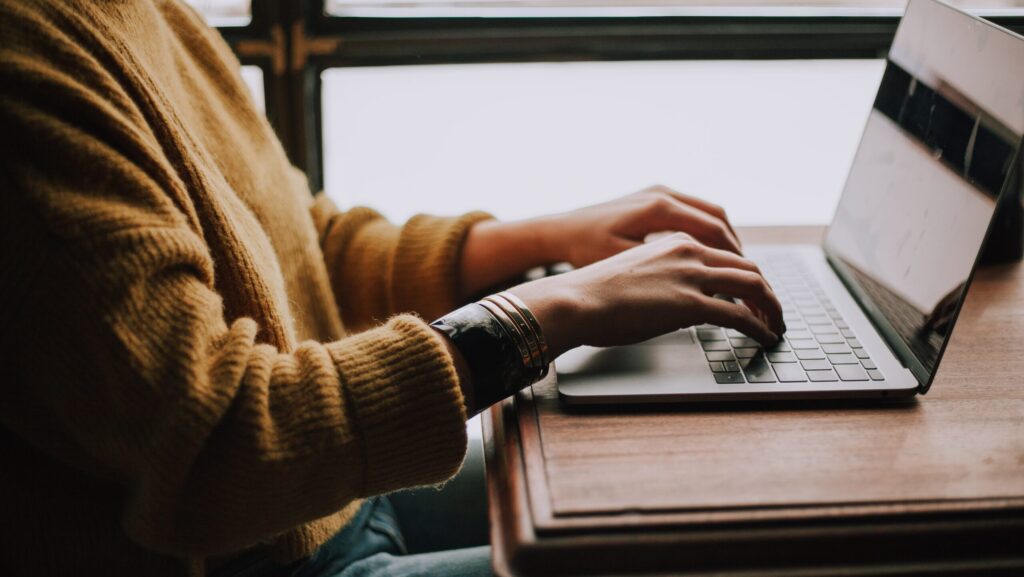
column 294, row 41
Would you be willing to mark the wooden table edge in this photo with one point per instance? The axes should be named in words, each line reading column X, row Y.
column 520, row 549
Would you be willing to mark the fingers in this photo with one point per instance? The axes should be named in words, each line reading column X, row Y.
column 721, row 258
column 727, row 260
column 712, row 231
column 732, row 275
column 749, row 286
column 698, row 203
column 735, row 316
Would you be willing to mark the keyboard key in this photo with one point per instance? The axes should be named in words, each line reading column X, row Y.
column 876, row 375
column 746, row 352
column 806, row 355
column 798, row 344
column 817, row 320
column 779, row 347
column 734, row 334
column 851, row 373
column 824, row 329
column 861, row 353
column 843, row 360
column 789, row 373
column 719, row 356
column 836, row 348
column 830, row 339
column 744, row 342
column 794, row 334
column 710, row 335
column 781, row 357
column 836, row 315
column 758, row 370
column 816, row 365
column 715, row 345
column 842, row 324
column 731, row 366
column 717, row 367
column 848, row 333
column 828, row 376
column 869, row 364
column 729, row 378
column 796, row 326
column 855, row 343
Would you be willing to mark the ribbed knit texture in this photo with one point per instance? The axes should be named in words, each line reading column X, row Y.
column 179, row 384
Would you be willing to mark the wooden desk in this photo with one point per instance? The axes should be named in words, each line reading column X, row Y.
column 931, row 485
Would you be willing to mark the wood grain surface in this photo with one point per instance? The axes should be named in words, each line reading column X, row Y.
column 630, row 478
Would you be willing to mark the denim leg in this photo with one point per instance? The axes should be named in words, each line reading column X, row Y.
column 353, row 543
column 374, row 531
column 371, row 545
column 471, row 562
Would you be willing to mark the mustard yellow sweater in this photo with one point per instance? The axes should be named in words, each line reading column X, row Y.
column 178, row 383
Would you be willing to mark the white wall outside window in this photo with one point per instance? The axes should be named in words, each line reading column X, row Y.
column 769, row 140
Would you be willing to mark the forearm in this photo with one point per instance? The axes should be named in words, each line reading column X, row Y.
column 378, row 269
column 496, row 252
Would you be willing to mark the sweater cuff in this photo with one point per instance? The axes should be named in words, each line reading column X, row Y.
column 426, row 265
column 401, row 385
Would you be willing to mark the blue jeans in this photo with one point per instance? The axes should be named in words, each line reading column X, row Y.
column 445, row 535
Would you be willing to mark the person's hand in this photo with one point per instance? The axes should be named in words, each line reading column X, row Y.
column 496, row 251
column 590, row 234
column 653, row 289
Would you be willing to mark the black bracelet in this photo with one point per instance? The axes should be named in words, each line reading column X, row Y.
column 495, row 363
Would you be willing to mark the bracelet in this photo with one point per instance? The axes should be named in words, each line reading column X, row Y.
column 542, row 344
column 502, row 343
column 511, row 329
column 523, row 331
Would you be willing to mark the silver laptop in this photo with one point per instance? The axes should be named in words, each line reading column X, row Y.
column 869, row 312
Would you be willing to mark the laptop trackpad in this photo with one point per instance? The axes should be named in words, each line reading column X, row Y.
column 665, row 353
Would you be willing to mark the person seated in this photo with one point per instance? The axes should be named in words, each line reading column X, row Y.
column 213, row 371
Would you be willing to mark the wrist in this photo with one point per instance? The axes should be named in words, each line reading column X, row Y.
column 496, row 252
column 557, row 309
column 546, row 238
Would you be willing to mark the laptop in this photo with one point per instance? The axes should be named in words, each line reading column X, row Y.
column 869, row 311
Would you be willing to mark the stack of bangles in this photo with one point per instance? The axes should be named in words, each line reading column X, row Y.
column 502, row 343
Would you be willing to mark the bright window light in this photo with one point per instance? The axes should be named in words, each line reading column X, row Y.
column 770, row 140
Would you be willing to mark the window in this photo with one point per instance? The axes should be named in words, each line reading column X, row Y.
column 299, row 45
column 769, row 140
column 224, row 13
column 253, row 77
column 549, row 8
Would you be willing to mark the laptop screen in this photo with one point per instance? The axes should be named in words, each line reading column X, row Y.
column 938, row 149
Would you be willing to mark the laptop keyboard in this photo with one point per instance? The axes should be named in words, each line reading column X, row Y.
column 818, row 346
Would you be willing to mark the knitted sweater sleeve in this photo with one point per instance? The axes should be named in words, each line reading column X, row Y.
column 378, row 269
column 122, row 362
